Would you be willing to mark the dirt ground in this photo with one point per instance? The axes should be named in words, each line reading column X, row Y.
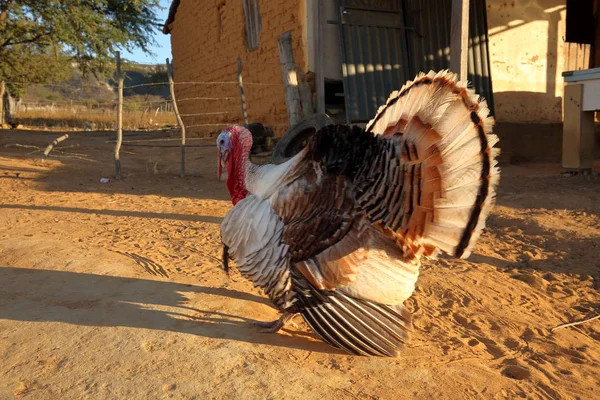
column 114, row 291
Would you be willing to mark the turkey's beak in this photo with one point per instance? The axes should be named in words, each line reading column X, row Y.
column 223, row 157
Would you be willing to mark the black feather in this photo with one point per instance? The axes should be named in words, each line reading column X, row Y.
column 358, row 326
column 225, row 259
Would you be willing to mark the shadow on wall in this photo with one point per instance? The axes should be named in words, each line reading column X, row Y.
column 534, row 139
column 521, row 142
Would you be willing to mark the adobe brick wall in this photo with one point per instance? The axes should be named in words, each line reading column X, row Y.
column 206, row 40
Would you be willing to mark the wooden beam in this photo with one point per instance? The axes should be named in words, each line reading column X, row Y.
column 290, row 78
column 459, row 38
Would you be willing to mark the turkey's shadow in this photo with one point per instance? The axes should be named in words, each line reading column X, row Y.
column 101, row 300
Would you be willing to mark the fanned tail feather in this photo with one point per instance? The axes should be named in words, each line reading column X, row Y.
column 445, row 132
column 357, row 326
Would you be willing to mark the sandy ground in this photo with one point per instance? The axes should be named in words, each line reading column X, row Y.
column 114, row 291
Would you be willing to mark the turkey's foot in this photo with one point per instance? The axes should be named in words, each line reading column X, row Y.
column 274, row 326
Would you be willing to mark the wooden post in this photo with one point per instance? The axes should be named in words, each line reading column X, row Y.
column 241, row 87
column 459, row 38
column 176, row 111
column 578, row 131
column 119, row 118
column 290, row 78
column 319, row 67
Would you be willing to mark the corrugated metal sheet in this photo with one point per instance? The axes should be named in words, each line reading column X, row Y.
column 429, row 41
column 420, row 43
column 480, row 74
column 373, row 54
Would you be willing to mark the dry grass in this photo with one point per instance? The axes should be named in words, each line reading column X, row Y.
column 99, row 119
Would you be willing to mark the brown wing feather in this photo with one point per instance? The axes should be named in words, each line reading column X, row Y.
column 317, row 210
column 333, row 244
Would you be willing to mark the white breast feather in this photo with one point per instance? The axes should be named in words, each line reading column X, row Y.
column 264, row 180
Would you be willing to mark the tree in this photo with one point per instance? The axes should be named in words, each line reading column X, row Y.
column 40, row 38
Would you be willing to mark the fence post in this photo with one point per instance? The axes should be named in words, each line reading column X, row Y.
column 241, row 87
column 119, row 118
column 179, row 120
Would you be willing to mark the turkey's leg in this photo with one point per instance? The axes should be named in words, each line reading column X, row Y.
column 274, row 326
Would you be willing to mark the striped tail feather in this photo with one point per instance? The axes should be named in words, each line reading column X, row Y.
column 449, row 161
column 358, row 326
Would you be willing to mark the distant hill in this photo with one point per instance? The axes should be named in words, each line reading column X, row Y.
column 90, row 90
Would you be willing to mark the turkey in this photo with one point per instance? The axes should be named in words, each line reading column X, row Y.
column 336, row 233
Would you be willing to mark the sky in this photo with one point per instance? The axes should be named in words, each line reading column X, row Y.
column 162, row 49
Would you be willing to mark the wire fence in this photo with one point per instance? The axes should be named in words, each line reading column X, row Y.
column 149, row 112
column 207, row 105
column 202, row 106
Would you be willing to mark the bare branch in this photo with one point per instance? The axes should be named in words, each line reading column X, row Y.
column 574, row 323
column 30, row 40
column 51, row 145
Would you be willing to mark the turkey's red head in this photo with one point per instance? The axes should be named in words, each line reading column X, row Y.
column 233, row 152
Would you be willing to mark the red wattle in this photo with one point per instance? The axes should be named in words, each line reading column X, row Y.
column 236, row 179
